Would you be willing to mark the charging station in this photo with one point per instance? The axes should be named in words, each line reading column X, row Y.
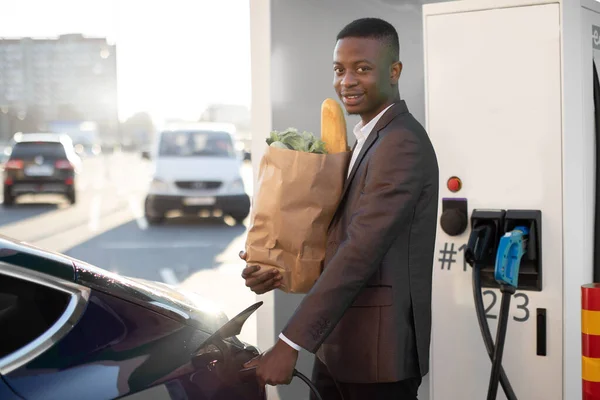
column 511, row 88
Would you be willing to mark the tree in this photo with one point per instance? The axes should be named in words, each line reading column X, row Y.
column 138, row 128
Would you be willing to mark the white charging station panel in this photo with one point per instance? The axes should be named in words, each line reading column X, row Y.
column 494, row 113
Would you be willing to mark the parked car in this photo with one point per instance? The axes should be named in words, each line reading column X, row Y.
column 196, row 168
column 71, row 330
column 39, row 164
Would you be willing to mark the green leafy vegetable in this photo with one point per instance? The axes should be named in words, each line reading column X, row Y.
column 318, row 147
column 280, row 145
column 291, row 139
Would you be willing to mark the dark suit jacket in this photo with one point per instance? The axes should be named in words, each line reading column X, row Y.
column 368, row 316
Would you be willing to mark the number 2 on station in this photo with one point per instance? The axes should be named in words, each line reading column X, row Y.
column 521, row 305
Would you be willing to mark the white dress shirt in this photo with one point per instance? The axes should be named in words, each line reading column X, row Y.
column 361, row 132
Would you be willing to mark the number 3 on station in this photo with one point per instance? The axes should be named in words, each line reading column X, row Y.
column 521, row 305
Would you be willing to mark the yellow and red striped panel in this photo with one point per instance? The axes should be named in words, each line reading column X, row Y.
column 590, row 341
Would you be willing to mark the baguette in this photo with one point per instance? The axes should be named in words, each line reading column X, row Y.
column 333, row 127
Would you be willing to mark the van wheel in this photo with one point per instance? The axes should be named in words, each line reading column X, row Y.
column 152, row 220
column 155, row 220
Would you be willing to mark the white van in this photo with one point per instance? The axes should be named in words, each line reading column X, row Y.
column 196, row 167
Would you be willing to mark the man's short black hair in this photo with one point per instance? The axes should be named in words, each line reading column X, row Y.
column 373, row 28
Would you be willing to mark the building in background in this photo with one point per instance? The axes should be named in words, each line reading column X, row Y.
column 71, row 77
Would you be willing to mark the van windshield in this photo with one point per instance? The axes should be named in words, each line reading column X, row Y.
column 196, row 144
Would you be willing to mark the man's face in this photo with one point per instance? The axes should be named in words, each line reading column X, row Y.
column 364, row 75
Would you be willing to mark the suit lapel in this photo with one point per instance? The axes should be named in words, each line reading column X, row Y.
column 368, row 143
column 396, row 109
column 385, row 119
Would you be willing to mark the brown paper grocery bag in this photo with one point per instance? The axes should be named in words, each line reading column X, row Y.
column 295, row 199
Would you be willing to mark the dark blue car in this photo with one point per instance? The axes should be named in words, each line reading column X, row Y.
column 69, row 330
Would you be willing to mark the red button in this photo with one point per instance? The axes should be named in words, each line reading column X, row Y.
column 454, row 184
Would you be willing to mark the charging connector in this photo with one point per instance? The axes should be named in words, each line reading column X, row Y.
column 479, row 245
column 511, row 249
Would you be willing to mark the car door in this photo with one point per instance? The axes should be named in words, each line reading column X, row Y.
column 61, row 340
column 64, row 340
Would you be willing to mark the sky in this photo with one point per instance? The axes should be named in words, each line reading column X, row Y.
column 173, row 57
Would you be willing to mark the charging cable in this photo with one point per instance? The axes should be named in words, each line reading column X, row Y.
column 511, row 248
column 312, row 387
column 479, row 246
column 250, row 373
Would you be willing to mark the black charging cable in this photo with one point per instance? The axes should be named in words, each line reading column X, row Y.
column 479, row 245
column 507, row 292
column 312, row 387
column 250, row 373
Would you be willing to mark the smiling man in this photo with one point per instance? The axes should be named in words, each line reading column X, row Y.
column 368, row 316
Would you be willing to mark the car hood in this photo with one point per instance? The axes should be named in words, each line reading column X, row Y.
column 183, row 305
column 197, row 168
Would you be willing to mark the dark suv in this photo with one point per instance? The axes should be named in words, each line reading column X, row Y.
column 41, row 164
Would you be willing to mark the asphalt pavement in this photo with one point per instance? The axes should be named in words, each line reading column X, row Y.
column 106, row 228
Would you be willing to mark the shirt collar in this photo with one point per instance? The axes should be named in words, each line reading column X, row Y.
column 362, row 132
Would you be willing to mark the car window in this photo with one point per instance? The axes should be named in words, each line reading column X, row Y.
column 196, row 144
column 36, row 310
column 27, row 310
column 33, row 149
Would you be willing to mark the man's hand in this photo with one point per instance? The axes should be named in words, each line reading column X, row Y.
column 263, row 282
column 276, row 365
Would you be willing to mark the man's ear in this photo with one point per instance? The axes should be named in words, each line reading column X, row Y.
column 395, row 71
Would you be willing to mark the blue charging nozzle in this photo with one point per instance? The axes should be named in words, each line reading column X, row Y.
column 511, row 248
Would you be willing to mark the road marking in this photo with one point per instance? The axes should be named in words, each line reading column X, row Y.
column 138, row 213
column 168, row 276
column 99, row 180
column 68, row 238
column 95, row 209
column 157, row 245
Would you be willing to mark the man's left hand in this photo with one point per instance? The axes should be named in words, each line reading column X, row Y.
column 276, row 365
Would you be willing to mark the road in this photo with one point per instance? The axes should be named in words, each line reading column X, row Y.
column 107, row 228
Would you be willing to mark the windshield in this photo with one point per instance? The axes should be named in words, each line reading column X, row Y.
column 196, row 143
column 33, row 149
